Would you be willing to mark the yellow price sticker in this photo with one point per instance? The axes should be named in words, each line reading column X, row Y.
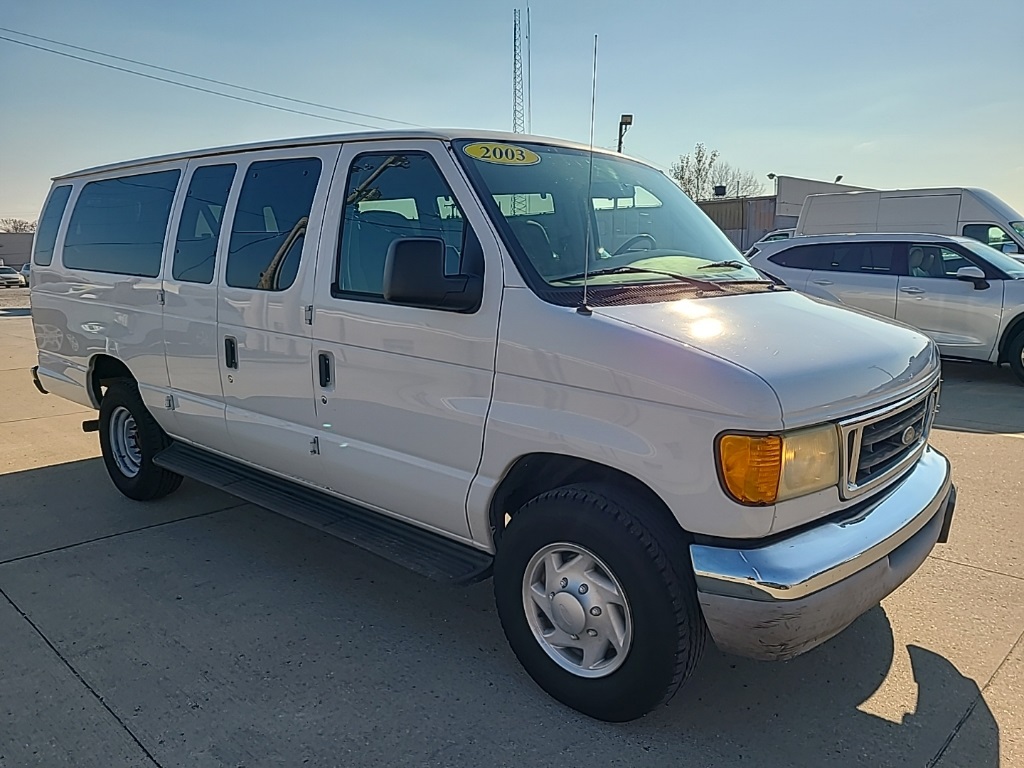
column 501, row 154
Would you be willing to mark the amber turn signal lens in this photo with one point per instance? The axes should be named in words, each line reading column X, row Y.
column 751, row 467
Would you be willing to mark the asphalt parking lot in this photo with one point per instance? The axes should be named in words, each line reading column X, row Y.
column 198, row 631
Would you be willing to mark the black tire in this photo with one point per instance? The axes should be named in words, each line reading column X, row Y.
column 649, row 558
column 1015, row 355
column 151, row 481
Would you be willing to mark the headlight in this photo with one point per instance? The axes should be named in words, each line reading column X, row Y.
column 764, row 469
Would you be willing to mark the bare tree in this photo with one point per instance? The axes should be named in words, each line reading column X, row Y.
column 737, row 183
column 693, row 172
column 699, row 173
column 17, row 225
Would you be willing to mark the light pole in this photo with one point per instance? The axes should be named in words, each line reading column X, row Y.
column 624, row 122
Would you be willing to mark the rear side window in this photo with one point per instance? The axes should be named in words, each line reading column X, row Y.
column 118, row 225
column 270, row 223
column 49, row 223
column 195, row 249
column 804, row 257
column 873, row 258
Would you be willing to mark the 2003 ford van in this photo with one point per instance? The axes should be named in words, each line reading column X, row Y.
column 485, row 353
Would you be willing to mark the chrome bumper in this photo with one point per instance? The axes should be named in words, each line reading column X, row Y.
column 779, row 599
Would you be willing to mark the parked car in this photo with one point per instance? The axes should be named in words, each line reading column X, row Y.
column 404, row 340
column 967, row 296
column 771, row 237
column 26, row 272
column 9, row 278
column 967, row 211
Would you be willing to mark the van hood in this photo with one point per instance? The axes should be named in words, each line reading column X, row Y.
column 822, row 361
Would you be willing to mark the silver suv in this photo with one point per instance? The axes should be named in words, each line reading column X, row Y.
column 967, row 296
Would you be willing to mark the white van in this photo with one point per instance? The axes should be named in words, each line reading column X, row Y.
column 958, row 211
column 479, row 353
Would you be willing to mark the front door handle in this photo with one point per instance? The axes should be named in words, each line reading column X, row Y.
column 325, row 370
column 822, row 282
column 914, row 291
column 230, row 352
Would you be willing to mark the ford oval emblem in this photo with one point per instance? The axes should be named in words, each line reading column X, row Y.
column 909, row 436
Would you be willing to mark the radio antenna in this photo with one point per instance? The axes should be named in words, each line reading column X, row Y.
column 583, row 309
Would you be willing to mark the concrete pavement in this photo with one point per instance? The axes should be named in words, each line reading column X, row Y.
column 197, row 631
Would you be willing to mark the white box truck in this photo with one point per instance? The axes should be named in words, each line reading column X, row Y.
column 966, row 211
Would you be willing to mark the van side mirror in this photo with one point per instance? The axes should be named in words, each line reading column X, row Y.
column 973, row 275
column 1010, row 248
column 414, row 275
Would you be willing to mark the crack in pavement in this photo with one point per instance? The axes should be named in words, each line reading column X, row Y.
column 970, row 710
column 19, row 558
column 975, row 567
column 81, row 679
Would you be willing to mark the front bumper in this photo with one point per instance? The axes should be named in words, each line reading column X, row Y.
column 780, row 599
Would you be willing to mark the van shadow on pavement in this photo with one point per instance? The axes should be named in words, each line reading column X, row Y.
column 248, row 637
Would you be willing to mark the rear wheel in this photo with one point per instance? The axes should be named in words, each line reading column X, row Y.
column 597, row 601
column 1015, row 356
column 130, row 438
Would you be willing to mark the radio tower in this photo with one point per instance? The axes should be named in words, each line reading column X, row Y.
column 518, row 100
column 518, row 97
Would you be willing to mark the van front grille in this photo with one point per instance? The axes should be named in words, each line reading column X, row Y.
column 880, row 444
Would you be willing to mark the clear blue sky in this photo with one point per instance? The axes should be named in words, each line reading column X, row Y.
column 889, row 94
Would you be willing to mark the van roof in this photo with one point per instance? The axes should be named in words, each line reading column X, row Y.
column 922, row 192
column 424, row 133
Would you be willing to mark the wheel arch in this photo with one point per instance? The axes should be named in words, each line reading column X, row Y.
column 536, row 473
column 102, row 369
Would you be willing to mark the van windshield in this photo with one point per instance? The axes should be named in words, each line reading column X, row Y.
column 1007, row 264
column 627, row 225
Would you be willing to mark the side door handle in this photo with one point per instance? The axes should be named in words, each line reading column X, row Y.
column 913, row 290
column 230, row 352
column 326, row 378
column 822, row 282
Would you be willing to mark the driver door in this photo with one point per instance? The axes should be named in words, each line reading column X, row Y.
column 961, row 317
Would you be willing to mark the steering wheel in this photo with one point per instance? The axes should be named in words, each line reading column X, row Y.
column 627, row 246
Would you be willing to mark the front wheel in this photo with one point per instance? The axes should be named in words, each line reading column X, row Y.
column 129, row 439
column 1015, row 355
column 598, row 602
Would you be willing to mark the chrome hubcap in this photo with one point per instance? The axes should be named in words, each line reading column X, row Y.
column 124, row 442
column 577, row 610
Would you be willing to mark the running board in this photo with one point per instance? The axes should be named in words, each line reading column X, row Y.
column 419, row 550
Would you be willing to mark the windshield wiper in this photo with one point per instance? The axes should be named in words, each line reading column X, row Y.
column 737, row 264
column 706, row 285
column 733, row 263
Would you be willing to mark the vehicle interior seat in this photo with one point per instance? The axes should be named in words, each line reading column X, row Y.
column 919, row 262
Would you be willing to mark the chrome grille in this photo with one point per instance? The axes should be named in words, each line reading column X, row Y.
column 881, row 444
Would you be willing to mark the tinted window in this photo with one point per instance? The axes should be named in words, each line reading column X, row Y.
column 873, row 258
column 804, row 257
column 935, row 261
column 270, row 224
column 390, row 196
column 49, row 223
column 118, row 225
column 195, row 250
column 989, row 234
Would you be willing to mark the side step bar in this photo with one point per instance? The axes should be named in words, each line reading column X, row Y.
column 419, row 550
